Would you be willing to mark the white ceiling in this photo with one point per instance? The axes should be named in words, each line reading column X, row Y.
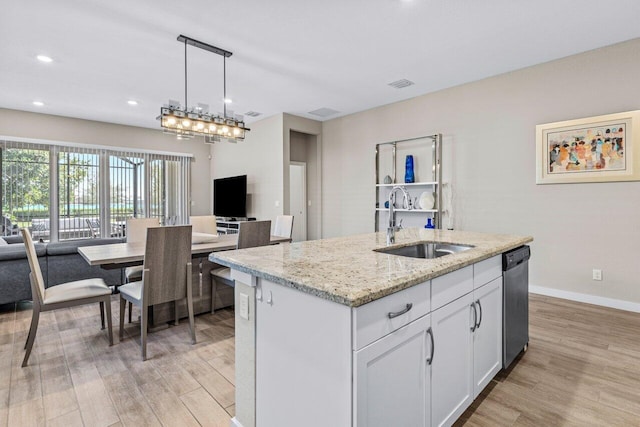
column 289, row 56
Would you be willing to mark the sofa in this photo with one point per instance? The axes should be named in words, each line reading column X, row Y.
column 60, row 262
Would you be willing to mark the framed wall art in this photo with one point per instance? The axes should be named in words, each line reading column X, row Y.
column 593, row 149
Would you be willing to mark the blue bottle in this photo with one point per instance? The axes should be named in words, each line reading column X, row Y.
column 429, row 224
column 409, row 176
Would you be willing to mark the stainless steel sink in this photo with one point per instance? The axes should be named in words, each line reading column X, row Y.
column 427, row 250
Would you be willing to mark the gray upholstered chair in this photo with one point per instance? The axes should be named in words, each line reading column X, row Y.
column 136, row 230
column 204, row 224
column 166, row 277
column 65, row 295
column 250, row 234
column 284, row 226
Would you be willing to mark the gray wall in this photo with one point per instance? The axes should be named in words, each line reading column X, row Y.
column 260, row 157
column 489, row 133
column 56, row 128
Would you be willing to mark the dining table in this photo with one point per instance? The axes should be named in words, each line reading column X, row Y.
column 119, row 255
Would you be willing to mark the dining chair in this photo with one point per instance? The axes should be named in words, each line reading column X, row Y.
column 136, row 231
column 250, row 234
column 166, row 277
column 284, row 226
column 94, row 227
column 204, row 224
column 64, row 295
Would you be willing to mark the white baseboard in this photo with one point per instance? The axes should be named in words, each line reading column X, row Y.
column 586, row 298
column 234, row 423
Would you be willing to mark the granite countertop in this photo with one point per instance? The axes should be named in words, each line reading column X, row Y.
column 348, row 271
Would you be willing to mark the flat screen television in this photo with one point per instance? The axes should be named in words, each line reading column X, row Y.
column 230, row 197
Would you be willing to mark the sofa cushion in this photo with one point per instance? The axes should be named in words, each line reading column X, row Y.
column 3, row 242
column 17, row 251
column 13, row 239
column 71, row 246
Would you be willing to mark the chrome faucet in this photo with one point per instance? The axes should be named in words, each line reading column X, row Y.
column 391, row 229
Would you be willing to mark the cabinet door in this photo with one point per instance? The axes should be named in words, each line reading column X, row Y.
column 487, row 346
column 392, row 378
column 452, row 366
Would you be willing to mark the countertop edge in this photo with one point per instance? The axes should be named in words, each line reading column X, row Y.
column 359, row 301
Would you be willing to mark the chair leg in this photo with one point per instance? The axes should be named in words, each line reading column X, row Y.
column 107, row 305
column 214, row 290
column 192, row 327
column 130, row 309
column 102, row 315
column 123, row 306
column 176, row 320
column 32, row 336
column 144, row 316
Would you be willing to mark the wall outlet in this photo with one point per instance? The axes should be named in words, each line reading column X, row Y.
column 597, row 274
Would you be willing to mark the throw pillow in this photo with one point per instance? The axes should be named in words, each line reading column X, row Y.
column 3, row 242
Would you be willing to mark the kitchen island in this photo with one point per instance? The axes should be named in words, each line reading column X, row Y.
column 334, row 332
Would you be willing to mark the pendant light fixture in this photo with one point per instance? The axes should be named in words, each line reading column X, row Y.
column 185, row 122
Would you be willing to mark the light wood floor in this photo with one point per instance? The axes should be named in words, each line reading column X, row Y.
column 582, row 368
column 74, row 378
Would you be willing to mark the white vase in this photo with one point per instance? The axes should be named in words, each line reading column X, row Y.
column 426, row 200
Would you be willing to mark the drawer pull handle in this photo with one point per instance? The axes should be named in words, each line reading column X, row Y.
column 430, row 359
column 479, row 308
column 400, row 313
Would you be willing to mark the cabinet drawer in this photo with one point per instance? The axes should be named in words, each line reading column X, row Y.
column 451, row 286
column 486, row 271
column 371, row 321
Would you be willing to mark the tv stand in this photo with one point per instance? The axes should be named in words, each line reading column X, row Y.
column 228, row 225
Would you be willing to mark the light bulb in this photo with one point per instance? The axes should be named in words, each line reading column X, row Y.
column 171, row 120
column 186, row 123
column 225, row 130
column 236, row 131
column 228, row 101
column 212, row 128
column 200, row 125
column 38, row 103
column 44, row 58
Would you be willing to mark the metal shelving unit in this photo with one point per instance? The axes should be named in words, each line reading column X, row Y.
column 382, row 190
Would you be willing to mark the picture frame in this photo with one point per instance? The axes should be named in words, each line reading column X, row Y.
column 592, row 149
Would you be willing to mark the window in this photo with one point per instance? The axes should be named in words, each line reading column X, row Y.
column 69, row 192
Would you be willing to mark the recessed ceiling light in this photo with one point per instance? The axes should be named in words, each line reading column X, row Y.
column 44, row 58
column 38, row 103
column 132, row 102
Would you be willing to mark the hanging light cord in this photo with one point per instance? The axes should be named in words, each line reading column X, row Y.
column 224, row 88
column 185, row 76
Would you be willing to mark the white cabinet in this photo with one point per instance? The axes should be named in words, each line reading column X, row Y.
column 303, row 359
column 417, row 357
column 452, row 365
column 487, row 337
column 392, row 378
column 468, row 332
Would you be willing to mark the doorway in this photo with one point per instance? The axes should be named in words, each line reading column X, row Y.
column 298, row 199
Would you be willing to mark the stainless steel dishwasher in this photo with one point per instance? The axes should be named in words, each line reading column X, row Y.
column 515, row 294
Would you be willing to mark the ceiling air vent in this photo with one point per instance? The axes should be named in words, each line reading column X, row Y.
column 252, row 113
column 323, row 112
column 399, row 84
